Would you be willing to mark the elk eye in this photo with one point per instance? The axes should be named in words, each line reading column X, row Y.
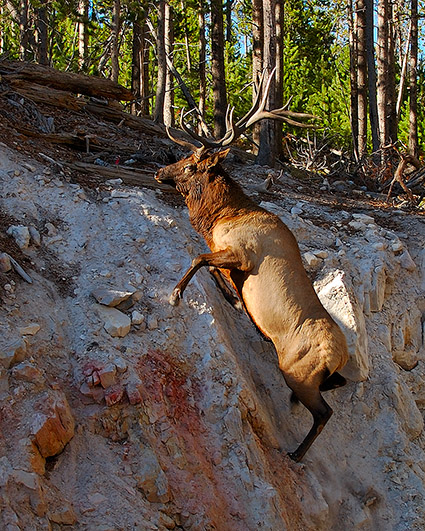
column 189, row 168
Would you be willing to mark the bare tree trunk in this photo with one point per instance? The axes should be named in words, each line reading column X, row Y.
column 186, row 39
column 361, row 78
column 279, row 16
column 371, row 76
column 403, row 74
column 229, row 6
column 413, row 115
column 83, row 36
column 136, row 63
column 382, row 61
column 354, row 114
column 202, row 61
column 115, row 40
column 392, row 98
column 217, row 68
column 169, row 89
column 23, row 31
column 162, row 65
column 257, row 58
column 268, row 144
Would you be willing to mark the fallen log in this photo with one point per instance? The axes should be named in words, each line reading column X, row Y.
column 130, row 177
column 68, row 81
column 42, row 94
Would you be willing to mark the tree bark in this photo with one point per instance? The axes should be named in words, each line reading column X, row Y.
column 267, row 151
column 217, row 68
column 115, row 69
column 23, row 31
column 257, row 59
column 361, row 78
column 413, row 111
column 382, row 62
column 41, row 31
column 354, row 114
column 169, row 87
column 162, row 65
column 371, row 76
column 202, row 61
column 83, row 37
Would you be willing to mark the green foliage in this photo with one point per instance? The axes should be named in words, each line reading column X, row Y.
column 315, row 53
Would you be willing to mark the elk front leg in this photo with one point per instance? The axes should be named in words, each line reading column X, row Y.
column 225, row 259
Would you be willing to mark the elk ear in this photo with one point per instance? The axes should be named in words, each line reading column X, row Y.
column 216, row 158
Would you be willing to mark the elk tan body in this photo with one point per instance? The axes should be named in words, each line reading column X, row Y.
column 257, row 252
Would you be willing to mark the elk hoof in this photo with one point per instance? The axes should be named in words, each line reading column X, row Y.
column 176, row 297
column 294, row 456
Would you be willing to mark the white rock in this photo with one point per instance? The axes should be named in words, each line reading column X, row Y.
column 340, row 302
column 364, row 218
column 116, row 323
column 35, row 236
column 311, row 259
column 20, row 234
column 111, row 297
column 357, row 225
column 321, row 254
column 137, row 317
column 407, row 262
column 29, row 330
column 377, row 292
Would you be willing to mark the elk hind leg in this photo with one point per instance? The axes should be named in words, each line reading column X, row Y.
column 320, row 410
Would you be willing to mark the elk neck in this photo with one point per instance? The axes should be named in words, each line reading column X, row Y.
column 213, row 197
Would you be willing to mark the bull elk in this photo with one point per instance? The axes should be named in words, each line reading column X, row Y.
column 259, row 256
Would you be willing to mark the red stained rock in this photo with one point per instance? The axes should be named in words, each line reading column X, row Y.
column 114, row 395
column 53, row 425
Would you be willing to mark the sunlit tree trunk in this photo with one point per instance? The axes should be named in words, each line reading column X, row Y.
column 202, row 60
column 267, row 151
column 83, row 38
column 169, row 88
column 162, row 64
column 217, row 68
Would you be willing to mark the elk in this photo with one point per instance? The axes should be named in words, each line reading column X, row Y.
column 260, row 258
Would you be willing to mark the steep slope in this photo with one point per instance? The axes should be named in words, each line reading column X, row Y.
column 154, row 417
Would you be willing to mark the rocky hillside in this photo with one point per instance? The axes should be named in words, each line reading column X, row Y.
column 121, row 412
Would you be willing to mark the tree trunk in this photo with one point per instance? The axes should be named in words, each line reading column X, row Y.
column 136, row 63
column 23, row 31
column 413, row 115
column 382, row 62
column 202, row 61
column 217, row 68
column 162, row 65
column 267, row 151
column 354, row 114
column 115, row 69
column 186, row 38
column 169, row 88
column 257, row 59
column 41, row 31
column 361, row 78
column 83, row 36
column 371, row 76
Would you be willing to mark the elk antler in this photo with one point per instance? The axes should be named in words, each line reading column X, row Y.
column 254, row 115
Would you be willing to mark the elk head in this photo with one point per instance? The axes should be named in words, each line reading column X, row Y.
column 190, row 173
column 204, row 157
